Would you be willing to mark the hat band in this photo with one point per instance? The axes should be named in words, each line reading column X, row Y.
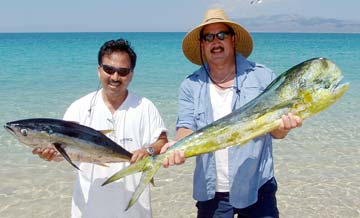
column 214, row 18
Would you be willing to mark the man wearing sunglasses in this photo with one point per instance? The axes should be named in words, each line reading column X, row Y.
column 240, row 179
column 136, row 125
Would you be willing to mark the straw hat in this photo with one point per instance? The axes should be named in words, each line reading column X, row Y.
column 191, row 42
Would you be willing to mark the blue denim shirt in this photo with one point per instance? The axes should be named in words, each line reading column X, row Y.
column 250, row 165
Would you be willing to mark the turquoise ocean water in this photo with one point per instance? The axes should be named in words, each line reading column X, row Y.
column 317, row 166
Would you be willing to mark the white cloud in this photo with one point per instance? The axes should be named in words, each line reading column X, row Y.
column 234, row 7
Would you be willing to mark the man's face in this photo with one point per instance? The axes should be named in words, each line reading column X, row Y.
column 217, row 51
column 115, row 83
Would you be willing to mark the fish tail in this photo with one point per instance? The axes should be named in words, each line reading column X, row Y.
column 147, row 176
column 131, row 169
column 148, row 166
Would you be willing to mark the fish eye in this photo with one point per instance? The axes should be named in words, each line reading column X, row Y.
column 327, row 85
column 24, row 132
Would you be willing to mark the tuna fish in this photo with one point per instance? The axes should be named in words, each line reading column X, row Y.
column 73, row 141
column 304, row 90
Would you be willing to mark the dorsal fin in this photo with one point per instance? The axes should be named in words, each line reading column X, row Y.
column 106, row 131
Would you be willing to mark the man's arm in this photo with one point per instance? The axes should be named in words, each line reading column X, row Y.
column 182, row 133
column 143, row 152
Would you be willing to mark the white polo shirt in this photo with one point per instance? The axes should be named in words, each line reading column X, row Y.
column 135, row 124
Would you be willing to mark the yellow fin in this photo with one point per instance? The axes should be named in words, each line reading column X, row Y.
column 106, row 131
column 101, row 164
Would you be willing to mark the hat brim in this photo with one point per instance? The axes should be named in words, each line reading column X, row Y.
column 191, row 42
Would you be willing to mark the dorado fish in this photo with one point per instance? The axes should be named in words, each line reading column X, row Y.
column 304, row 90
column 73, row 141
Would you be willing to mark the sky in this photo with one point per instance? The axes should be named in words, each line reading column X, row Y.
column 155, row 15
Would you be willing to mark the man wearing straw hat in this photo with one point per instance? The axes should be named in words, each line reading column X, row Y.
column 236, row 180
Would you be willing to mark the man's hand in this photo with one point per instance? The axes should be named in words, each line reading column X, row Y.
column 175, row 158
column 139, row 154
column 288, row 122
column 47, row 154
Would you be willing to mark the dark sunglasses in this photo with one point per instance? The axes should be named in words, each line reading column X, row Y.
column 211, row 36
column 122, row 71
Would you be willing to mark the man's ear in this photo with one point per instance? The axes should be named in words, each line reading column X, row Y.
column 99, row 69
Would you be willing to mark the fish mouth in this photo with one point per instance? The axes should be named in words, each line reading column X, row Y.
column 338, row 84
column 9, row 129
column 338, row 88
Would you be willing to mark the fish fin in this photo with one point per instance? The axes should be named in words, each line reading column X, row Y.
column 147, row 176
column 281, row 105
column 106, row 131
column 60, row 149
column 133, row 168
column 149, row 166
column 285, row 104
column 73, row 122
column 102, row 164
column 152, row 181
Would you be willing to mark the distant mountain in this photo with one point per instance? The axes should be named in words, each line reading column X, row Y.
column 297, row 23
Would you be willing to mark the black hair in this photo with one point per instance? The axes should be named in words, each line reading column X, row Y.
column 119, row 45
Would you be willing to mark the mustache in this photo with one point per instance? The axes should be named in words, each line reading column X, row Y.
column 117, row 82
column 217, row 48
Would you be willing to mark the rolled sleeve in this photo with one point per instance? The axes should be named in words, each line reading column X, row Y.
column 186, row 107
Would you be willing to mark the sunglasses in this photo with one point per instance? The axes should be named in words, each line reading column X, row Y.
column 211, row 36
column 122, row 71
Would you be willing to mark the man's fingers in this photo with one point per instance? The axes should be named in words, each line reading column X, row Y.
column 133, row 158
column 167, row 146
column 171, row 159
column 175, row 158
column 292, row 121
column 298, row 121
column 164, row 148
column 46, row 154
column 283, row 122
column 37, row 151
column 179, row 157
column 138, row 155
column 166, row 163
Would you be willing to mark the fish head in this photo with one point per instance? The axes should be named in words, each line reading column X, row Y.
column 30, row 133
column 315, row 84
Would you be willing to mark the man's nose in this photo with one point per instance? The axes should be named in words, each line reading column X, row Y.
column 115, row 76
